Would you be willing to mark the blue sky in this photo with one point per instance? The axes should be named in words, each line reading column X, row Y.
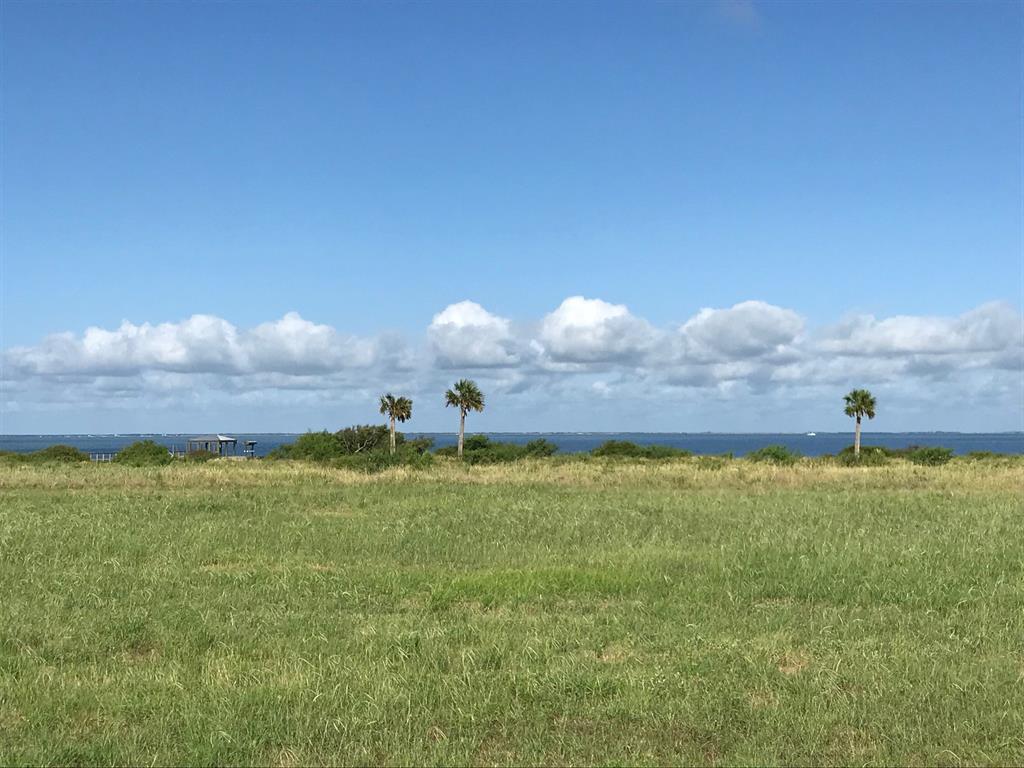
column 367, row 166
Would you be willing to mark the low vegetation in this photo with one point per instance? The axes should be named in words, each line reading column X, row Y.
column 52, row 454
column 548, row 612
column 624, row 449
column 876, row 456
column 362, row 448
column 932, row 456
column 479, row 449
column 774, row 454
column 144, row 453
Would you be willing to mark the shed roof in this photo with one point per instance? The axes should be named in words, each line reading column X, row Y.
column 212, row 439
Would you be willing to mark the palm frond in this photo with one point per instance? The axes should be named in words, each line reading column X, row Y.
column 860, row 402
column 465, row 394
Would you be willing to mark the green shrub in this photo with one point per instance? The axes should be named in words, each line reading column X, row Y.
column 312, row 446
column 417, row 445
column 870, row 456
column 200, row 456
column 357, row 440
column 931, row 457
column 477, row 443
column 618, row 449
column 627, row 450
column 919, row 454
column 480, row 449
column 62, row 454
column 55, row 454
column 541, row 448
column 144, row 453
column 363, row 438
column 889, row 453
column 774, row 454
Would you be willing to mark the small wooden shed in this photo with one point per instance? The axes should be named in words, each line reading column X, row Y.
column 222, row 445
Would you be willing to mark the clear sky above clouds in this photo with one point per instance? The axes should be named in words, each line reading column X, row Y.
column 672, row 216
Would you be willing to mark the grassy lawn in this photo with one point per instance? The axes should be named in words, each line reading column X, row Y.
column 551, row 612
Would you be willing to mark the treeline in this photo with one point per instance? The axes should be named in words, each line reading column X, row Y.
column 141, row 453
column 363, row 446
column 367, row 447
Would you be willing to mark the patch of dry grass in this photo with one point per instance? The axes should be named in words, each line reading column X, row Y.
column 1004, row 474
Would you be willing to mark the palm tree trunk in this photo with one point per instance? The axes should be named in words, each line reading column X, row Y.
column 392, row 435
column 856, row 439
column 462, row 430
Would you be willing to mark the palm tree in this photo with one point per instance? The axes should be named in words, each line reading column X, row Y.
column 396, row 409
column 859, row 403
column 466, row 396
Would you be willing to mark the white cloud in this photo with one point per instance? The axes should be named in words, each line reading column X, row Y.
column 465, row 335
column 200, row 344
column 747, row 330
column 293, row 345
column 593, row 331
column 993, row 327
column 585, row 351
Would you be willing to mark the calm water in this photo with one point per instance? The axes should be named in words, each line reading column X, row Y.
column 569, row 442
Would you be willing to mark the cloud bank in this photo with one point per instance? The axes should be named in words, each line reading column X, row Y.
column 586, row 351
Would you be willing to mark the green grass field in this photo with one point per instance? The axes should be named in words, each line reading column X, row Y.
column 542, row 613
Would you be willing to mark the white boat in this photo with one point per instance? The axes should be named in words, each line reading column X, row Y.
column 811, row 434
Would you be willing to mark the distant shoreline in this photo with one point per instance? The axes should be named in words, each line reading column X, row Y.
column 700, row 443
column 4, row 435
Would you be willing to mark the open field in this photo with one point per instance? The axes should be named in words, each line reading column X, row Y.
column 555, row 612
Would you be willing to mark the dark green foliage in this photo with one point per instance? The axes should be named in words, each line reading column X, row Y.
column 17, row 457
column 61, row 453
column 416, row 444
column 624, row 449
column 877, row 455
column 477, row 443
column 931, row 457
column 312, row 446
column 480, row 449
column 200, row 456
column 363, row 438
column 144, row 453
column 869, row 457
column 283, row 451
column 356, row 440
column 54, row 454
column 879, row 450
column 618, row 448
column 774, row 454
column 541, row 447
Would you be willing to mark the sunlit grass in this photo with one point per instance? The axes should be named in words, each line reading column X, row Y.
column 557, row 612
